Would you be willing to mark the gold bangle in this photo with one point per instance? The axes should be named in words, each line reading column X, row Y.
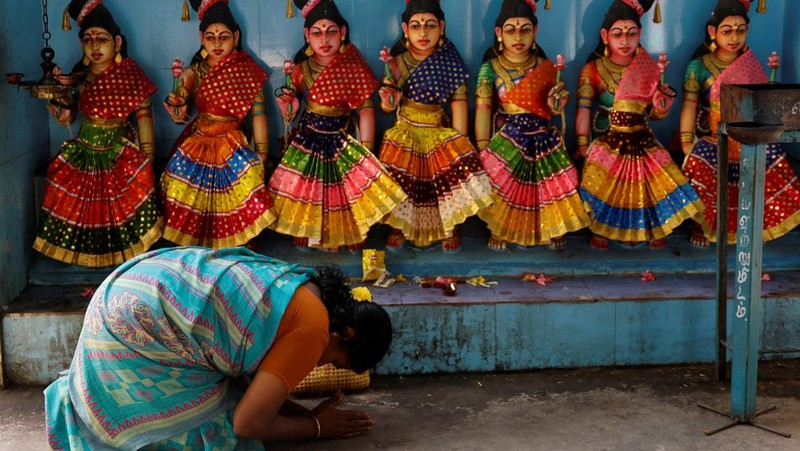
column 147, row 148
column 483, row 143
column 262, row 148
column 368, row 144
column 582, row 140
column 319, row 428
column 687, row 137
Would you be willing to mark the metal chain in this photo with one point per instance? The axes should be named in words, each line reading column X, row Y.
column 45, row 21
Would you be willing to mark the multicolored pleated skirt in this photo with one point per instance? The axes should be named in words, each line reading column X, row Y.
column 632, row 189
column 99, row 204
column 213, row 186
column 329, row 188
column 781, row 190
column 440, row 171
column 535, row 184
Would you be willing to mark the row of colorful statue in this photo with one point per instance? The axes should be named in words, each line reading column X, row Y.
column 101, row 204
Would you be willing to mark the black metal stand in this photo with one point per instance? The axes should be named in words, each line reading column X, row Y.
column 737, row 421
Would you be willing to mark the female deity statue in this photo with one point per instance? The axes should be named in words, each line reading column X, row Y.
column 632, row 189
column 213, row 185
column 536, row 198
column 99, row 204
column 436, row 165
column 329, row 188
column 725, row 59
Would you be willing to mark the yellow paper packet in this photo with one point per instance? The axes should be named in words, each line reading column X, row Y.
column 373, row 264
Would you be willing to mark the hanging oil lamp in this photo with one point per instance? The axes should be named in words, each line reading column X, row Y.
column 47, row 87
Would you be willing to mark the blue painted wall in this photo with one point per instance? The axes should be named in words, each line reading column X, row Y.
column 156, row 36
column 24, row 141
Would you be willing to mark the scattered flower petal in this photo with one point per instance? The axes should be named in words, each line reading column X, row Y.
column 648, row 276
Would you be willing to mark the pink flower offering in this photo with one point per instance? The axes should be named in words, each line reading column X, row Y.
column 288, row 67
column 177, row 68
column 561, row 62
column 541, row 279
column 663, row 62
column 87, row 292
column 773, row 61
column 765, row 277
column 386, row 56
column 647, row 276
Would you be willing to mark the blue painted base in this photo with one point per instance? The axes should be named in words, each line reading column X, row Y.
column 578, row 258
column 597, row 311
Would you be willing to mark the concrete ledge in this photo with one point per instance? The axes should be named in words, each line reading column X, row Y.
column 515, row 325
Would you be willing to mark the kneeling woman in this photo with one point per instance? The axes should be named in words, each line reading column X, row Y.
column 168, row 335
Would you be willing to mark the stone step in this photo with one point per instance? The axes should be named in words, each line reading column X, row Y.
column 577, row 258
column 573, row 321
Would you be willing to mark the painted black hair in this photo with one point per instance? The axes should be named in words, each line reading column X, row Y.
column 219, row 12
column 371, row 323
column 417, row 7
column 619, row 10
column 513, row 8
column 326, row 9
column 724, row 9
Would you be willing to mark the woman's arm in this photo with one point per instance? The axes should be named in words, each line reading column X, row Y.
column 144, row 122
column 257, row 414
column 484, row 94
column 366, row 126
column 260, row 127
column 583, row 114
column 688, row 121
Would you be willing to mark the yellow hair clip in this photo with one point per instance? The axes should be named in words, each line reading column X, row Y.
column 361, row 294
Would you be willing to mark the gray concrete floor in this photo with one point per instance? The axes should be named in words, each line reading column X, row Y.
column 586, row 409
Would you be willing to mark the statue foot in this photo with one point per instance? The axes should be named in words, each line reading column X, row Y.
column 599, row 242
column 496, row 244
column 560, row 242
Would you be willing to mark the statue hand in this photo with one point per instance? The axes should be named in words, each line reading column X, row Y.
column 580, row 152
column 663, row 97
column 288, row 104
column 557, row 98
column 60, row 112
column 389, row 96
column 687, row 147
column 176, row 107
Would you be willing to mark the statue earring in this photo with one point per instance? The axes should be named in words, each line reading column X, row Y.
column 500, row 45
column 406, row 43
column 203, row 53
column 118, row 58
column 85, row 60
column 441, row 41
column 638, row 49
column 343, row 47
column 605, row 49
column 713, row 45
column 533, row 47
column 309, row 51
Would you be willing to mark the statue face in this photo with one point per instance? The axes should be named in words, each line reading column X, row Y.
column 99, row 46
column 731, row 34
column 219, row 41
column 423, row 31
column 325, row 38
column 622, row 38
column 518, row 35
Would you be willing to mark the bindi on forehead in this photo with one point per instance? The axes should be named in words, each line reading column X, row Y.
column 217, row 30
